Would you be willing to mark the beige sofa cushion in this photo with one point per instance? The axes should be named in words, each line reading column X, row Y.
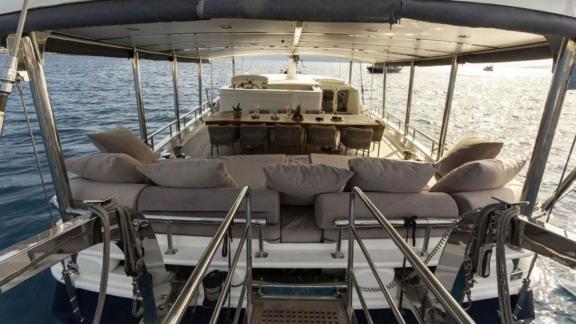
column 383, row 175
column 127, row 194
column 471, row 200
column 330, row 207
column 121, row 140
column 299, row 226
column 334, row 160
column 107, row 167
column 469, row 148
column 479, row 175
column 299, row 184
column 211, row 202
column 246, row 170
column 188, row 173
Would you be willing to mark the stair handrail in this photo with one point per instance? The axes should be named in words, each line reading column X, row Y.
column 444, row 297
column 190, row 290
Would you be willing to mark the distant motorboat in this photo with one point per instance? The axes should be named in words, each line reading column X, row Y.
column 488, row 68
column 379, row 67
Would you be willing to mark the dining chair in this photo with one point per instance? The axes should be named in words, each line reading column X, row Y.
column 323, row 136
column 222, row 135
column 356, row 138
column 313, row 111
column 253, row 136
column 287, row 136
column 377, row 135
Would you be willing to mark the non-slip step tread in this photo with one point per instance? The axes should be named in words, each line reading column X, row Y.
column 290, row 311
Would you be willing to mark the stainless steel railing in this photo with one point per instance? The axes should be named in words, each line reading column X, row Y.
column 190, row 290
column 171, row 128
column 432, row 283
column 419, row 140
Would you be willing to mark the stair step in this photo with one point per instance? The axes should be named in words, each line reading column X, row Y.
column 300, row 310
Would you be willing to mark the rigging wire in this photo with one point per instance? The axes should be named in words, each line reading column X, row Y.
column 35, row 149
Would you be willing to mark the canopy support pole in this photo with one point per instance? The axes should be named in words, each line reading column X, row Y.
column 139, row 96
column 447, row 107
column 384, row 73
column 176, row 93
column 233, row 67
column 409, row 100
column 200, row 71
column 548, row 124
column 33, row 61
column 350, row 73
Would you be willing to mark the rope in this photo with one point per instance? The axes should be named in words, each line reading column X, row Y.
column 103, row 215
column 35, row 149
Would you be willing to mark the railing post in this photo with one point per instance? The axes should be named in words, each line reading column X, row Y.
column 200, row 71
column 47, row 124
column 139, row 97
column 233, row 67
column 447, row 107
column 409, row 100
column 548, row 124
column 176, row 94
column 350, row 74
column 350, row 269
column 248, row 279
column 384, row 74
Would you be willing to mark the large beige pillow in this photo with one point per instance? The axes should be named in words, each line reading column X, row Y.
column 383, row 175
column 188, row 173
column 468, row 149
column 479, row 175
column 299, row 184
column 121, row 140
column 107, row 167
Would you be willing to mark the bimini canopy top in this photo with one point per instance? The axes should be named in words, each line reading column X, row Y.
column 394, row 31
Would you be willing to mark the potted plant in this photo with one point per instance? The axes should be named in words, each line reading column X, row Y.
column 297, row 115
column 237, row 111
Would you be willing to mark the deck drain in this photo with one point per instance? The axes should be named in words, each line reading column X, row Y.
column 288, row 316
column 307, row 311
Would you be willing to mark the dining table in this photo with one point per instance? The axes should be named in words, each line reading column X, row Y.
column 229, row 117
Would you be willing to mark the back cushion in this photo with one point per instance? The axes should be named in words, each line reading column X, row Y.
column 299, row 184
column 121, row 140
column 469, row 148
column 188, row 173
column 479, row 175
column 374, row 174
column 107, row 167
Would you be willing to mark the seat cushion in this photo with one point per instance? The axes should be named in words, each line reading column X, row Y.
column 469, row 148
column 127, row 194
column 334, row 160
column 330, row 207
column 299, row 226
column 471, row 200
column 384, row 175
column 479, row 175
column 209, row 202
column 107, row 167
column 188, row 173
column 299, row 184
column 121, row 140
column 246, row 170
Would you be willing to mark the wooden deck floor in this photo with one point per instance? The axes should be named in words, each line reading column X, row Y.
column 198, row 146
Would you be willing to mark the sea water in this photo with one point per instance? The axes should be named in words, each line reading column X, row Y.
column 91, row 94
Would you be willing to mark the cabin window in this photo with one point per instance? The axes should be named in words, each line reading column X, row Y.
column 328, row 100
column 342, row 104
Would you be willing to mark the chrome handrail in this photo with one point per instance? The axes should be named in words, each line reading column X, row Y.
column 182, row 121
column 444, row 297
column 190, row 290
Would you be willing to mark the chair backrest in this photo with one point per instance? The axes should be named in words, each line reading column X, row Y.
column 254, row 134
column 282, row 111
column 322, row 135
column 357, row 138
column 223, row 134
column 378, row 131
column 287, row 134
column 312, row 111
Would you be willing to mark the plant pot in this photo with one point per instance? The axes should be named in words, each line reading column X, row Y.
column 237, row 114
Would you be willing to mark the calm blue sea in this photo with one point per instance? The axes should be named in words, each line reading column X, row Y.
column 92, row 94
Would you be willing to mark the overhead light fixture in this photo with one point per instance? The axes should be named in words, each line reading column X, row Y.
column 225, row 26
column 463, row 36
column 371, row 29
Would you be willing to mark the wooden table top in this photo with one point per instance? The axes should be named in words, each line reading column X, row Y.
column 227, row 117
